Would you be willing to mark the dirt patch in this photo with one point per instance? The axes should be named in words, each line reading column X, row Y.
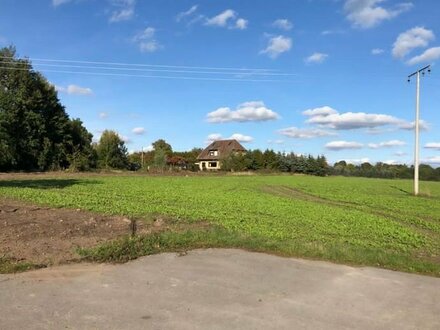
column 49, row 236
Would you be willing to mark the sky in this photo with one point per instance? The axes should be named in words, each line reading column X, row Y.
column 313, row 76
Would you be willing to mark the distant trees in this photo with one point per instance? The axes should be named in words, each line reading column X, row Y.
column 111, row 151
column 269, row 160
column 35, row 131
column 382, row 170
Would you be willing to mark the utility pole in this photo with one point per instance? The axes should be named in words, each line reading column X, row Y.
column 416, row 144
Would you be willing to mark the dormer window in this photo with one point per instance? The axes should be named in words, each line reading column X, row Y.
column 213, row 152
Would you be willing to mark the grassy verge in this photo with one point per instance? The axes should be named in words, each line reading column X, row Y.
column 8, row 266
column 129, row 248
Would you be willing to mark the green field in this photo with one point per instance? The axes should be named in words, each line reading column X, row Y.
column 348, row 220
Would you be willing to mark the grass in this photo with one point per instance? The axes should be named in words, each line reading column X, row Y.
column 8, row 265
column 347, row 220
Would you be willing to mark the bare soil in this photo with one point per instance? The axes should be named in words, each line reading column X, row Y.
column 49, row 236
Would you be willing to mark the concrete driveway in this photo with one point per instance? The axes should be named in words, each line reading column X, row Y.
column 218, row 289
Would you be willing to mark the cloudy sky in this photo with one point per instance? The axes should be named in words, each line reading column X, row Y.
column 318, row 76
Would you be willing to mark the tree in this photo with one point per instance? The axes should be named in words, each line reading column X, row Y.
column 82, row 157
column 111, row 151
column 160, row 159
column 269, row 159
column 164, row 146
column 35, row 130
column 322, row 166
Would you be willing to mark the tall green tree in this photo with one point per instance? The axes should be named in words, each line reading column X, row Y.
column 163, row 146
column 35, row 130
column 81, row 155
column 111, row 151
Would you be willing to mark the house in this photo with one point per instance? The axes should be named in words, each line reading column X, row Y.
column 211, row 157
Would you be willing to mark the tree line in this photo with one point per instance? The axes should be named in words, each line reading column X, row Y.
column 162, row 157
column 382, row 170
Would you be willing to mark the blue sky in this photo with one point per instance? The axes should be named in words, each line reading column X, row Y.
column 319, row 76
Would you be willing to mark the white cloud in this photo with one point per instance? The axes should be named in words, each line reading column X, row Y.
column 283, row 24
column 78, row 90
column 378, row 131
column 241, row 24
column 411, row 39
column 138, row 130
column 275, row 141
column 433, row 145
column 400, row 153
column 330, row 32
column 428, row 55
column 340, row 145
column 221, row 19
column 213, row 137
column 316, row 58
column 391, row 162
column 330, row 118
column 410, row 126
column 148, row 148
column 229, row 19
column 146, row 34
column 236, row 136
column 149, row 46
column 366, row 14
column 57, row 3
column 126, row 139
column 353, row 120
column 74, row 90
column 277, row 45
column 241, row 138
column 434, row 160
column 386, row 144
column 377, row 51
column 124, row 10
column 146, row 40
column 122, row 15
column 321, row 111
column 304, row 133
column 187, row 13
column 103, row 115
column 356, row 161
column 247, row 111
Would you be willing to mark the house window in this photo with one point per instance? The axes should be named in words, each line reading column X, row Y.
column 212, row 164
column 213, row 152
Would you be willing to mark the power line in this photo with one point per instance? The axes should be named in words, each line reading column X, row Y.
column 151, row 76
column 258, row 73
column 145, row 65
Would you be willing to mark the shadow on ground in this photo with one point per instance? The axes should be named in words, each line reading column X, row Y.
column 45, row 183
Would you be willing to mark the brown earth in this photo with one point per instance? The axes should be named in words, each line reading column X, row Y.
column 49, row 236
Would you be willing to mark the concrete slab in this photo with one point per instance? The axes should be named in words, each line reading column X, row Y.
column 218, row 289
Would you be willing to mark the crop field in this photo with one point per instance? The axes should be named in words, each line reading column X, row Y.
column 355, row 221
